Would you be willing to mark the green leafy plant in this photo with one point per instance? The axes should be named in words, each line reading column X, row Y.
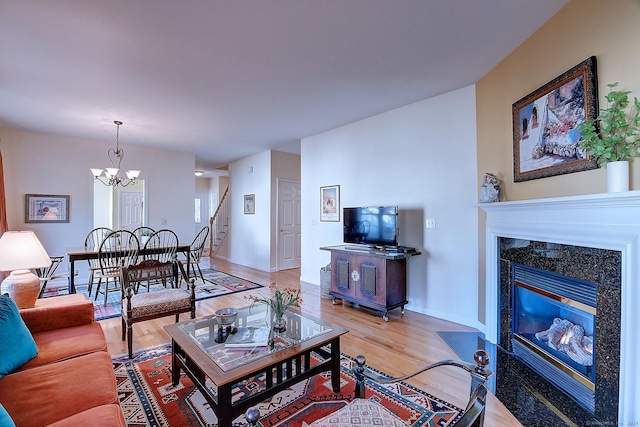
column 279, row 301
column 619, row 133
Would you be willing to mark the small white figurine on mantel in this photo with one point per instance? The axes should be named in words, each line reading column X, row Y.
column 490, row 189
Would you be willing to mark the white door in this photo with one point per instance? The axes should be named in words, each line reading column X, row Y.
column 289, row 235
column 130, row 210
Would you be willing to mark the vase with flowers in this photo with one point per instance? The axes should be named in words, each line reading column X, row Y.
column 279, row 301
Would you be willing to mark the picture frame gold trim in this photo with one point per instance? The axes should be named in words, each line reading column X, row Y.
column 545, row 138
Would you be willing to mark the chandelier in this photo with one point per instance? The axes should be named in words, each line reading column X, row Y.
column 111, row 174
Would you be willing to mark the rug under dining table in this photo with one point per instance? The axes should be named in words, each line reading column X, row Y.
column 216, row 283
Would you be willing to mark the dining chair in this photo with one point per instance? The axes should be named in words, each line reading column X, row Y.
column 195, row 253
column 92, row 243
column 162, row 247
column 152, row 305
column 119, row 249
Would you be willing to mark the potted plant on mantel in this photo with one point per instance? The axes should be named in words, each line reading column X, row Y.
column 617, row 141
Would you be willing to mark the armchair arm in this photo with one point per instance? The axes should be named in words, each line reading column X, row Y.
column 473, row 414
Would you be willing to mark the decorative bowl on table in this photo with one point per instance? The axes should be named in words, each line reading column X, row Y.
column 225, row 318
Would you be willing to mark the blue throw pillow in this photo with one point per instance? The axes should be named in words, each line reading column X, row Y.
column 5, row 419
column 17, row 346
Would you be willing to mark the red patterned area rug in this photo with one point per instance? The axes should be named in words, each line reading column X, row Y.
column 148, row 398
column 215, row 283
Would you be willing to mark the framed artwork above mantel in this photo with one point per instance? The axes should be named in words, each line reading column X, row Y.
column 545, row 138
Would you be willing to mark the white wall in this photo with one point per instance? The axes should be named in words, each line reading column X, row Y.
column 38, row 163
column 249, row 238
column 422, row 158
column 252, row 238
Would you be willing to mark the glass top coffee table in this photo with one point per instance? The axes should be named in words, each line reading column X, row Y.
column 308, row 347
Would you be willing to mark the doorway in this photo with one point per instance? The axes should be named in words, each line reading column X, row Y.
column 289, row 225
column 119, row 208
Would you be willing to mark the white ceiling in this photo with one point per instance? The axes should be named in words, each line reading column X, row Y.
column 224, row 79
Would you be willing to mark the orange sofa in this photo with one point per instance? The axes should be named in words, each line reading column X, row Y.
column 71, row 381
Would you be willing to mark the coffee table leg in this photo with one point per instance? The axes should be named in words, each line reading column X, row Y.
column 335, row 365
column 225, row 419
column 175, row 367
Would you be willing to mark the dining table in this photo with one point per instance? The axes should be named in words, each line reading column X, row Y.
column 83, row 253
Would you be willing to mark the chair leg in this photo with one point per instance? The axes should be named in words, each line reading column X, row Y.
column 106, row 292
column 95, row 298
column 130, row 339
column 124, row 327
column 201, row 275
column 90, row 287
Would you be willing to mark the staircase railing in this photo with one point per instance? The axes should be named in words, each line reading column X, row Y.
column 219, row 224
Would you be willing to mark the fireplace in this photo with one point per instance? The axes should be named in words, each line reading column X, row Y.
column 591, row 238
column 554, row 327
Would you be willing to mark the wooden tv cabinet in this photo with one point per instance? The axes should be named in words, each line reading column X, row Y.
column 374, row 278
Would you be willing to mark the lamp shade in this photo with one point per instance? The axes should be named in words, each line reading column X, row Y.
column 21, row 250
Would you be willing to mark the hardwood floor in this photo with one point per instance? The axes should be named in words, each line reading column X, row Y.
column 397, row 347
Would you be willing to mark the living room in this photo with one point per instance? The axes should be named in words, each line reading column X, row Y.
column 471, row 127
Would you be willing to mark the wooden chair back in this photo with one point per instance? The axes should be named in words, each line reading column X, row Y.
column 93, row 241
column 119, row 249
column 197, row 246
column 164, row 244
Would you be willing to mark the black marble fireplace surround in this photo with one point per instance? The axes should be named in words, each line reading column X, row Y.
column 600, row 266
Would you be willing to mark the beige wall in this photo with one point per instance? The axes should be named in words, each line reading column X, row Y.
column 608, row 30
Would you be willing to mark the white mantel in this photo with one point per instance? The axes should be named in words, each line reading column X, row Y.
column 607, row 221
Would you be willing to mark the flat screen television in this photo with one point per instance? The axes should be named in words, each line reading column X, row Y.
column 373, row 225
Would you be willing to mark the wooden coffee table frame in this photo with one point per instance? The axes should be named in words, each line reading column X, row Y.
column 281, row 369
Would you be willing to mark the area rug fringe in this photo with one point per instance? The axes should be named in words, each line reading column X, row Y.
column 148, row 398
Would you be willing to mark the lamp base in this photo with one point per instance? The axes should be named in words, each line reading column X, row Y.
column 23, row 288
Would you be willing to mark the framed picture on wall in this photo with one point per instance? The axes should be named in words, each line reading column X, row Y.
column 46, row 208
column 249, row 204
column 330, row 203
column 545, row 138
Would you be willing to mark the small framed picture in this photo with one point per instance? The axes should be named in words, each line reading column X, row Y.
column 46, row 208
column 249, row 204
column 330, row 203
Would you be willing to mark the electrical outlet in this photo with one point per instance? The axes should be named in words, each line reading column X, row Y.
column 430, row 223
column 163, row 221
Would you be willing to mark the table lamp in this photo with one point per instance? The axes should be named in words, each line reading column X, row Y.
column 20, row 251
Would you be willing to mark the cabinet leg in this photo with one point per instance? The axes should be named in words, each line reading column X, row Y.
column 385, row 316
column 333, row 301
column 402, row 310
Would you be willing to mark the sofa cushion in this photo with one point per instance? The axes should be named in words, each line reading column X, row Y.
column 59, row 390
column 16, row 343
column 103, row 416
column 65, row 343
column 58, row 312
column 5, row 418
